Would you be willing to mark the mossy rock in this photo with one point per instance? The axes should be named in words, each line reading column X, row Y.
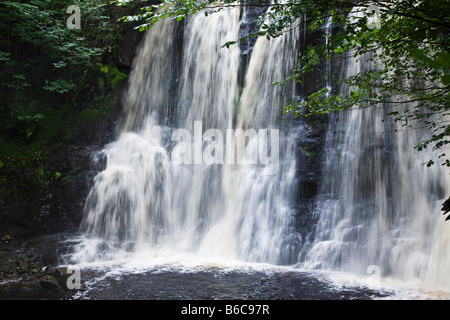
column 49, row 282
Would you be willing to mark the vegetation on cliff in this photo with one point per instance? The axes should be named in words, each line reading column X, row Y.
column 52, row 80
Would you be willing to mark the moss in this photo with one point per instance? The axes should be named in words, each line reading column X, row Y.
column 118, row 78
column 111, row 76
column 306, row 152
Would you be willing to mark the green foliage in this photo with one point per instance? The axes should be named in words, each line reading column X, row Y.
column 46, row 76
column 306, row 152
column 111, row 75
column 57, row 176
column 59, row 86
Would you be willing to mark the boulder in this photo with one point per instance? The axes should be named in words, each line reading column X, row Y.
column 49, row 282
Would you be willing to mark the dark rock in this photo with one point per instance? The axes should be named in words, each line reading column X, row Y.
column 9, row 290
column 22, row 265
column 30, row 269
column 7, row 261
column 62, row 274
column 49, row 282
column 127, row 50
column 246, row 28
column 49, row 256
column 446, row 206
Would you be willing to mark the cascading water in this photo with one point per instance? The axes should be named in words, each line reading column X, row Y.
column 379, row 204
column 176, row 181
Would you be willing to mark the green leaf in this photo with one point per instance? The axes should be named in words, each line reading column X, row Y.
column 445, row 80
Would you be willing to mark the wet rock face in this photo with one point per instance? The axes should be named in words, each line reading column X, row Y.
column 62, row 208
column 59, row 206
column 246, row 28
column 128, row 48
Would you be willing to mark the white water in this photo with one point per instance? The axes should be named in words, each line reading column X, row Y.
column 146, row 204
column 380, row 205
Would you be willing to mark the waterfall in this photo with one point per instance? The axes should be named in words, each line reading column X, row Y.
column 379, row 204
column 205, row 166
column 202, row 167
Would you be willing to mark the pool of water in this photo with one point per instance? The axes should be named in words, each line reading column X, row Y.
column 215, row 282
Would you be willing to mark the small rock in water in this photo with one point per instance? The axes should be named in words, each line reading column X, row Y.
column 49, row 282
column 22, row 265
